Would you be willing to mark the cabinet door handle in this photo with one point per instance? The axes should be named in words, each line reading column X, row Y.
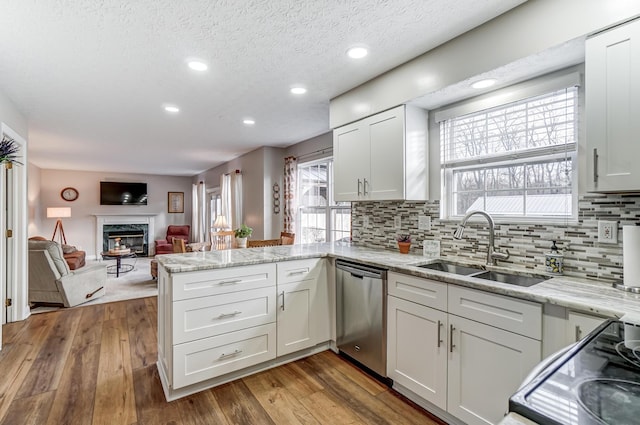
column 451, row 345
column 578, row 333
column 439, row 338
column 364, row 187
column 595, row 165
column 359, row 183
column 224, row 356
column 282, row 300
column 223, row 315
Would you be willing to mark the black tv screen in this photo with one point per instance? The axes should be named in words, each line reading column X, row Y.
column 118, row 193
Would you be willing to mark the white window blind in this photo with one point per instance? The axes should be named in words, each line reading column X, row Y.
column 513, row 160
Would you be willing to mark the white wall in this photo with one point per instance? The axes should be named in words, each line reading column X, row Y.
column 525, row 30
column 80, row 228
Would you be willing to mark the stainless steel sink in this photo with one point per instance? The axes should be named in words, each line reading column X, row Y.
column 444, row 266
column 512, row 279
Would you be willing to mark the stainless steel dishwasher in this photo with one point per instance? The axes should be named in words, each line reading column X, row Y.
column 362, row 314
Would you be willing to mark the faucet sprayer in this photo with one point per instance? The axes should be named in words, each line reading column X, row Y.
column 493, row 254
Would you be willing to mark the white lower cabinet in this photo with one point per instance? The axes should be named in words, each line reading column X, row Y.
column 417, row 349
column 580, row 325
column 467, row 368
column 303, row 306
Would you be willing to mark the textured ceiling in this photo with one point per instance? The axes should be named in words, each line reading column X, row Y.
column 91, row 76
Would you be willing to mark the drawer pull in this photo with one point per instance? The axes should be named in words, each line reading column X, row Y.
column 223, row 315
column 225, row 356
column 297, row 272
column 226, row 282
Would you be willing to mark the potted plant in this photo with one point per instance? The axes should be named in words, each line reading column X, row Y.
column 241, row 234
column 8, row 150
column 404, row 243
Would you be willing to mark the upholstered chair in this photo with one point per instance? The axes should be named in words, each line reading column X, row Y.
column 52, row 282
column 165, row 246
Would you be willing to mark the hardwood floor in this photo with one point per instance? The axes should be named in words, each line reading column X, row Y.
column 96, row 365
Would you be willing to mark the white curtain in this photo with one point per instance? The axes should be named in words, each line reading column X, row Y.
column 199, row 226
column 231, row 185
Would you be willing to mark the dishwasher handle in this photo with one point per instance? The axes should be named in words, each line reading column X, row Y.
column 361, row 272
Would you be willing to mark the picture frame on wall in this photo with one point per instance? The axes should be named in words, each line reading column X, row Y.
column 176, row 202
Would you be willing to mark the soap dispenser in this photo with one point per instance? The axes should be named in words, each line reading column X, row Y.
column 554, row 260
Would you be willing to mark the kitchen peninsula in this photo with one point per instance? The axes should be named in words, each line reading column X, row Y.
column 227, row 314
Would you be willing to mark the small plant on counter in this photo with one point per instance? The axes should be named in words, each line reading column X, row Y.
column 404, row 243
column 243, row 231
column 404, row 238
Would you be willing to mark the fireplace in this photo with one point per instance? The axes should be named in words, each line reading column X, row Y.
column 135, row 231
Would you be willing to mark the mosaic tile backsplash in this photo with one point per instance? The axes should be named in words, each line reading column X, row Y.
column 584, row 256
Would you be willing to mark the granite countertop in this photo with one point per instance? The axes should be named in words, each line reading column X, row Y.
column 581, row 294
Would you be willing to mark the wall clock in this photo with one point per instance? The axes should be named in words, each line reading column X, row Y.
column 69, row 194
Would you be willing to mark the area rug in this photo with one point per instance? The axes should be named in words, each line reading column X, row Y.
column 134, row 284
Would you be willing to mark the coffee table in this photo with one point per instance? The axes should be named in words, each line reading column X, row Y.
column 118, row 267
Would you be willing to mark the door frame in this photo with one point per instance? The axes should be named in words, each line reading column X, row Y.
column 18, row 286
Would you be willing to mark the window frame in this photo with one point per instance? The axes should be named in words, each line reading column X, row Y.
column 567, row 151
column 328, row 209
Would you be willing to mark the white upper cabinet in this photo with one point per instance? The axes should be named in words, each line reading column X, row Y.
column 382, row 157
column 613, row 103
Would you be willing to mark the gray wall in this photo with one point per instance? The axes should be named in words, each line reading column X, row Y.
column 80, row 228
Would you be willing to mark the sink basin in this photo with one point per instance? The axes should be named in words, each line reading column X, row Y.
column 512, row 279
column 451, row 268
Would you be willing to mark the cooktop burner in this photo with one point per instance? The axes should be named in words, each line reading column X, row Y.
column 596, row 382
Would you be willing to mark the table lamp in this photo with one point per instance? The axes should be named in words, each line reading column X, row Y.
column 220, row 223
column 59, row 213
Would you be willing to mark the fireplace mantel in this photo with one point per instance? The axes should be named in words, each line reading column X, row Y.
column 102, row 219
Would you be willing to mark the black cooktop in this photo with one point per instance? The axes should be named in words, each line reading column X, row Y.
column 596, row 382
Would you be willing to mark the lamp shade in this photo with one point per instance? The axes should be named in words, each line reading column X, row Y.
column 62, row 212
column 221, row 222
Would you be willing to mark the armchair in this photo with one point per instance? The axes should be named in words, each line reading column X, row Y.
column 52, row 282
column 165, row 246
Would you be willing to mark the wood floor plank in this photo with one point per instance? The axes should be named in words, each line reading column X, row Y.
column 19, row 359
column 31, row 410
column 277, row 401
column 74, row 399
column 412, row 414
column 115, row 400
column 359, row 377
column 201, row 409
column 44, row 375
column 142, row 337
column 328, row 409
column 11, row 331
column 239, row 405
column 90, row 327
column 296, row 381
column 117, row 310
column 151, row 406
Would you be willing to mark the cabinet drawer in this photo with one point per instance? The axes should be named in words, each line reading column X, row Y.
column 222, row 281
column 297, row 270
column 418, row 290
column 211, row 357
column 519, row 316
column 209, row 316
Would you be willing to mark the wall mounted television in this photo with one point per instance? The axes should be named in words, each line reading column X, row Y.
column 119, row 193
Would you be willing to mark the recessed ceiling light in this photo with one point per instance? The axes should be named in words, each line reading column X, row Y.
column 357, row 52
column 248, row 121
column 298, row 90
column 197, row 65
column 483, row 84
column 172, row 109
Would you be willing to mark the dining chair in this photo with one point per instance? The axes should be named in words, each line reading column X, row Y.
column 178, row 246
column 287, row 238
column 222, row 239
column 263, row 242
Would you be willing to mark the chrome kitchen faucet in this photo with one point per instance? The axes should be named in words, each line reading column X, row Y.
column 493, row 254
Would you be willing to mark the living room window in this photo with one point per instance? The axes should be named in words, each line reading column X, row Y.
column 319, row 218
column 515, row 160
